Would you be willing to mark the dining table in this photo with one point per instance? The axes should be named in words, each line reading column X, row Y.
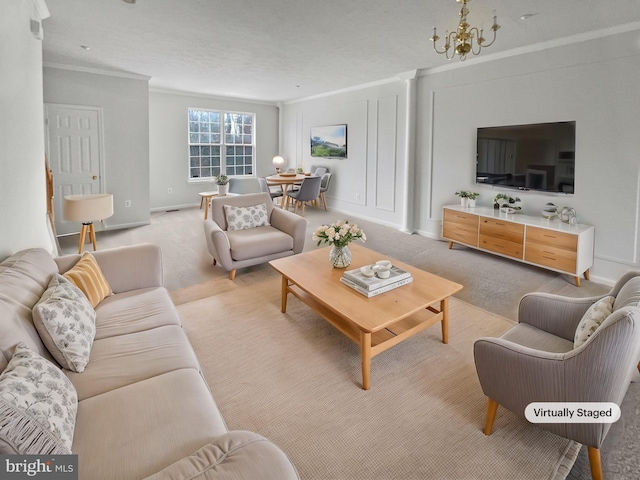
column 284, row 180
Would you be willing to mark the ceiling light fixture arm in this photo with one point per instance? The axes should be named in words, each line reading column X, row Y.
column 465, row 39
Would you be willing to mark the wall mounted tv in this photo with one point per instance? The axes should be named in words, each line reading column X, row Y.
column 538, row 156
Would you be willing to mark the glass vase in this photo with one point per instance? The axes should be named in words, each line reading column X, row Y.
column 340, row 257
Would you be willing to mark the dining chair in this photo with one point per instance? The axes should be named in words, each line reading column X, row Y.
column 309, row 191
column 264, row 186
column 324, row 186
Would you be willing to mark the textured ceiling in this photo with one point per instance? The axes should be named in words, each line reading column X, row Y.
column 280, row 50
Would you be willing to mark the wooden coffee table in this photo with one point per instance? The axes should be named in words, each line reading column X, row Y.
column 375, row 323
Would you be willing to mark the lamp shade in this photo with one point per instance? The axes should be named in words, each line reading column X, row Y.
column 86, row 208
column 278, row 161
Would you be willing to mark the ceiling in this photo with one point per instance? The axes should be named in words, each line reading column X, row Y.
column 282, row 50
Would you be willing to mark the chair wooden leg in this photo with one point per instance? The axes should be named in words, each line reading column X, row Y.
column 492, row 408
column 303, row 208
column 596, row 464
column 324, row 201
column 232, row 274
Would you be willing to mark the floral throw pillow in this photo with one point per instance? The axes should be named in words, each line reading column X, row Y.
column 242, row 218
column 38, row 406
column 66, row 322
column 592, row 319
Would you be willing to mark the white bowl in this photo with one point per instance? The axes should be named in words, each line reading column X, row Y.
column 367, row 271
column 383, row 273
column 384, row 263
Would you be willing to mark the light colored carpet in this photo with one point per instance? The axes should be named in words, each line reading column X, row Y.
column 490, row 282
column 296, row 380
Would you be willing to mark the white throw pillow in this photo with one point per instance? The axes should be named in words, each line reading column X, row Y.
column 38, row 406
column 66, row 322
column 592, row 319
column 242, row 218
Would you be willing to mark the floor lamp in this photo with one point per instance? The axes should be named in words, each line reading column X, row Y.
column 86, row 209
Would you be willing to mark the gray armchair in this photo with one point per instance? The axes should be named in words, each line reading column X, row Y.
column 242, row 248
column 535, row 361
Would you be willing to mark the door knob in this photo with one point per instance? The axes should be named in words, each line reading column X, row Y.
column 95, row 177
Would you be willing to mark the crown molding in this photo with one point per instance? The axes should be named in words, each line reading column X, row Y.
column 536, row 47
column 185, row 93
column 96, row 71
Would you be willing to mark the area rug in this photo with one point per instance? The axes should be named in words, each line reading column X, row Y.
column 296, row 380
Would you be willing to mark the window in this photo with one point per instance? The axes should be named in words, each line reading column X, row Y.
column 220, row 143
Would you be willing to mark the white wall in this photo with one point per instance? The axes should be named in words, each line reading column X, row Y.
column 594, row 83
column 169, row 151
column 369, row 183
column 125, row 105
column 23, row 221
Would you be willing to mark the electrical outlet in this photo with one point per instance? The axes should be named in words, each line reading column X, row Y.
column 127, row 203
column 169, row 190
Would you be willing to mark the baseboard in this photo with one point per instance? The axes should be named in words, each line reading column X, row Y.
column 173, row 207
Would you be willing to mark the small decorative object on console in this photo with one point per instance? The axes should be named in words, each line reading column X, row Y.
column 568, row 215
column 550, row 211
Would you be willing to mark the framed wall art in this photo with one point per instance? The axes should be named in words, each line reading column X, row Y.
column 329, row 141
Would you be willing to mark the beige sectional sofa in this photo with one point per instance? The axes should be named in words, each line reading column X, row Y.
column 143, row 407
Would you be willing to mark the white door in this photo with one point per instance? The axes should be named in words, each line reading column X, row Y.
column 74, row 151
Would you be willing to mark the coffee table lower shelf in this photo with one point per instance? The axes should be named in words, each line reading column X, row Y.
column 373, row 343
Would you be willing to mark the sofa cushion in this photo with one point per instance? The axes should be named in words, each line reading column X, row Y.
column 23, row 279
column 126, row 359
column 242, row 218
column 258, row 242
column 65, row 321
column 88, row 277
column 629, row 294
column 151, row 424
column 135, row 311
column 234, row 455
column 38, row 406
column 592, row 319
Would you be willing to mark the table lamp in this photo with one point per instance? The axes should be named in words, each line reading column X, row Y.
column 85, row 209
column 278, row 163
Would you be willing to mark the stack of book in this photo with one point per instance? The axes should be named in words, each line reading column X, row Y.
column 372, row 286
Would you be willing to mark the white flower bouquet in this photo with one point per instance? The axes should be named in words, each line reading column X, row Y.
column 340, row 233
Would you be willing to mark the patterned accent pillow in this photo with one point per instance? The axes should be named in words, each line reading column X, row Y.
column 38, row 406
column 87, row 276
column 66, row 322
column 592, row 319
column 242, row 218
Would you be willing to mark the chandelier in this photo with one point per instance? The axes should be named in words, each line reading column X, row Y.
column 466, row 39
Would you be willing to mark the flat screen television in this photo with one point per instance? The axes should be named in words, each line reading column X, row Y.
column 537, row 156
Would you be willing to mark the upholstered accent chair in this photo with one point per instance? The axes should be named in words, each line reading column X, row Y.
column 549, row 357
column 234, row 241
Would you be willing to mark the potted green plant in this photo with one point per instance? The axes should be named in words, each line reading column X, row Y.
column 472, row 198
column 223, row 185
column 464, row 197
column 500, row 199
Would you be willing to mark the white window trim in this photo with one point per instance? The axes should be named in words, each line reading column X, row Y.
column 223, row 145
